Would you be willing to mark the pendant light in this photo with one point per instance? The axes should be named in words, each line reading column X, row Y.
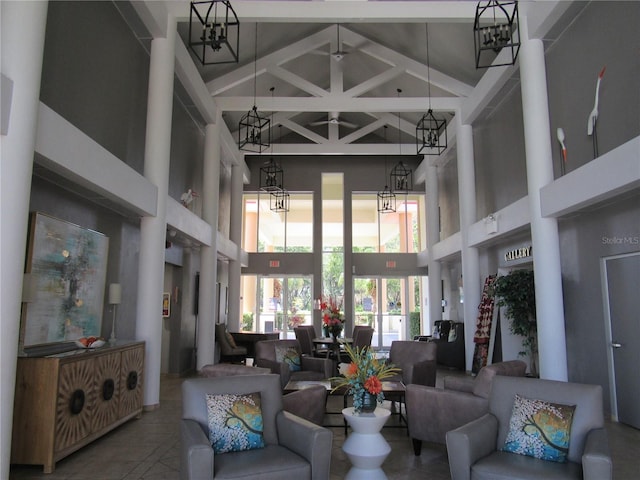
column 431, row 132
column 254, row 132
column 214, row 33
column 495, row 29
column 386, row 198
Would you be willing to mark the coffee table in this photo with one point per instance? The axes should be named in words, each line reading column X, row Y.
column 393, row 391
column 366, row 447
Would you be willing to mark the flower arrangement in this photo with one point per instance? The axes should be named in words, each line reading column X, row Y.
column 363, row 377
column 295, row 320
column 332, row 320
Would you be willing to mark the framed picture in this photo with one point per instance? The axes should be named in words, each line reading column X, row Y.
column 67, row 266
column 166, row 305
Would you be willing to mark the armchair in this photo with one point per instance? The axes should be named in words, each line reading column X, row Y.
column 432, row 412
column 416, row 360
column 475, row 452
column 305, row 335
column 294, row 447
column 228, row 348
column 269, row 354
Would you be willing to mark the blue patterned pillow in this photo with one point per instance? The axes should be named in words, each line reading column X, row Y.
column 235, row 422
column 290, row 356
column 539, row 429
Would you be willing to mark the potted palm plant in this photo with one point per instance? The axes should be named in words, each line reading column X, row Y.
column 516, row 292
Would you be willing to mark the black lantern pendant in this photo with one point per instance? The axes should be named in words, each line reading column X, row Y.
column 279, row 200
column 214, row 32
column 496, row 28
column 254, row 132
column 401, row 178
column 386, row 201
column 271, row 176
column 431, row 134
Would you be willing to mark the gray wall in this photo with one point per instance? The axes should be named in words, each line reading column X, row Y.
column 573, row 63
column 95, row 75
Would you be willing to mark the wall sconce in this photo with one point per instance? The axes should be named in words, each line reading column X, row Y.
column 115, row 298
column 491, row 224
column 213, row 37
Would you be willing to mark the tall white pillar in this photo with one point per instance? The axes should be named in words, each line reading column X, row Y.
column 153, row 229
column 433, row 237
column 209, row 255
column 470, row 263
column 235, row 234
column 21, row 64
column 544, row 231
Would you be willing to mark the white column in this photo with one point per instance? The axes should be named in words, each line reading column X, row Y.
column 544, row 231
column 153, row 229
column 470, row 264
column 433, row 237
column 22, row 64
column 209, row 255
column 235, row 234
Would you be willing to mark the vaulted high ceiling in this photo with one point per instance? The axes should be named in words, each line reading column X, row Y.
column 321, row 104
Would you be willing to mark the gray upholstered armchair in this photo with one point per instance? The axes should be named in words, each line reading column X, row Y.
column 432, row 412
column 294, row 447
column 269, row 354
column 416, row 360
column 475, row 448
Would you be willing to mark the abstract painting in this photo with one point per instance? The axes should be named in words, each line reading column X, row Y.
column 67, row 265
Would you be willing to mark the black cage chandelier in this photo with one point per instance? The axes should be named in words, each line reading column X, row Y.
column 431, row 132
column 279, row 200
column 254, row 129
column 496, row 28
column 386, row 198
column 214, row 32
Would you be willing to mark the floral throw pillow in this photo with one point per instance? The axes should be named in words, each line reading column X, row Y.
column 290, row 356
column 539, row 429
column 235, row 422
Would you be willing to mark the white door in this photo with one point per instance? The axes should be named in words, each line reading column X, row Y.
column 622, row 314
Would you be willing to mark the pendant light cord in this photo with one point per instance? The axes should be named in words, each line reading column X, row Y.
column 255, row 67
column 426, row 25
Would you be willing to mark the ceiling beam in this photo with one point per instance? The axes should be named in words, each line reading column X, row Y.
column 339, row 103
column 344, row 11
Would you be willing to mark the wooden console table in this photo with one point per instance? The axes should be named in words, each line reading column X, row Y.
column 67, row 400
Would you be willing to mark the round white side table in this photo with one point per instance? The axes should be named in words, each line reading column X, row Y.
column 365, row 446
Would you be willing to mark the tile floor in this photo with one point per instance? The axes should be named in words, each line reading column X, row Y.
column 147, row 449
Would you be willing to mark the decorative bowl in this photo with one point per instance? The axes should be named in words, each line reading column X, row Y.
column 90, row 342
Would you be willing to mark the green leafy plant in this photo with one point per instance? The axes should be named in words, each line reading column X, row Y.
column 516, row 292
column 364, row 374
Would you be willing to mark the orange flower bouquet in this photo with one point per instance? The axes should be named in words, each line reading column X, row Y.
column 363, row 376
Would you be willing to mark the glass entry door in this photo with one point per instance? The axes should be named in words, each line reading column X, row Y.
column 283, row 303
column 382, row 302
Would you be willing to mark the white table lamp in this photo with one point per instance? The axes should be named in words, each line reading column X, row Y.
column 115, row 297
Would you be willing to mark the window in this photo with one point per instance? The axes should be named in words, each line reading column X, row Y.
column 399, row 232
column 267, row 231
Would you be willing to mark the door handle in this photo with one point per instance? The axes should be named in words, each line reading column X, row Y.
column 616, row 345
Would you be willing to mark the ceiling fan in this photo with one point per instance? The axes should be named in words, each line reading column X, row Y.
column 334, row 120
column 338, row 54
